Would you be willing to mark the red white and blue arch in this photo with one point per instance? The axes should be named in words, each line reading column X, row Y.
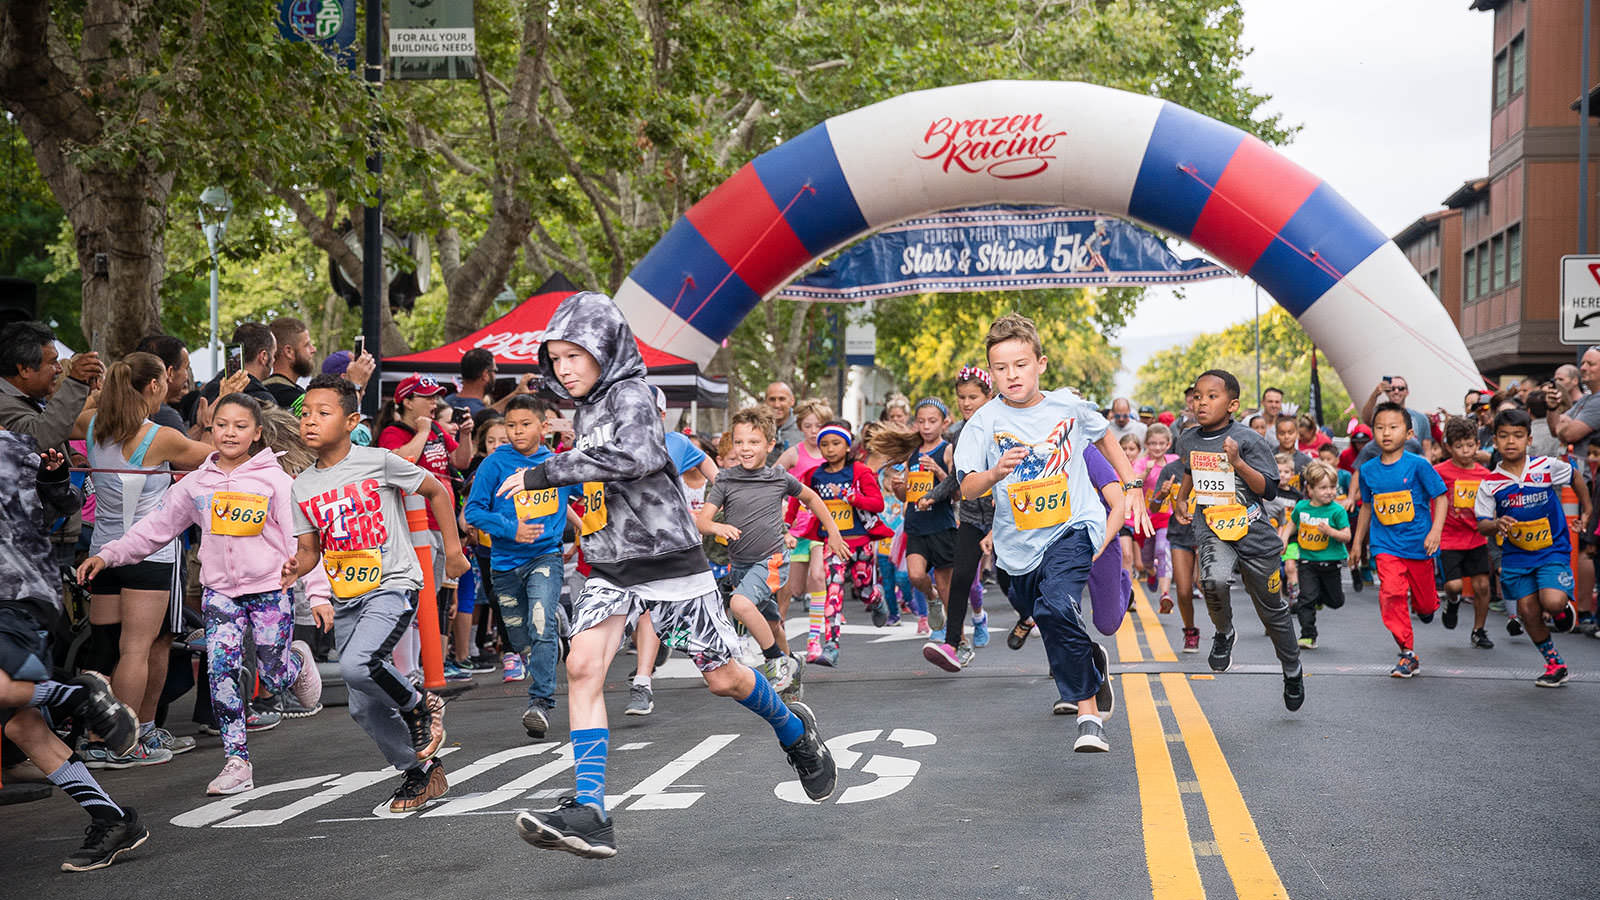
column 1052, row 143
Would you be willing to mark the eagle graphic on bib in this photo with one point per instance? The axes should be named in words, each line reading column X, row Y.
column 1037, row 488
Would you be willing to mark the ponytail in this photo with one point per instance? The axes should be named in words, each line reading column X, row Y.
column 122, row 408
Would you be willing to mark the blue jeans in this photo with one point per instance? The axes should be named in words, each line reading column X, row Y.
column 528, row 596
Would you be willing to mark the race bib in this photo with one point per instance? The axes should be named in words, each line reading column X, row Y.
column 1394, row 507
column 842, row 513
column 918, row 485
column 1229, row 521
column 886, row 546
column 1310, row 538
column 1040, row 503
column 535, row 504
column 1212, row 476
column 594, row 506
column 237, row 514
column 1465, row 494
column 352, row 573
column 1533, row 535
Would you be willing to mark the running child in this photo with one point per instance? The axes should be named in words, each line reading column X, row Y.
column 35, row 489
column 974, row 388
column 240, row 497
column 1522, row 506
column 1320, row 528
column 850, row 497
column 896, row 582
column 1157, row 553
column 929, row 491
column 1180, row 544
column 1406, row 499
column 644, row 553
column 1231, row 473
column 350, row 513
column 1464, row 553
column 525, row 556
column 806, row 578
column 1029, row 449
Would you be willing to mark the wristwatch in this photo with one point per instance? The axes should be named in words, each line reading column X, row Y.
column 1130, row 485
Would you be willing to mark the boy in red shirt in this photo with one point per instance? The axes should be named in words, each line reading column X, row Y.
column 1464, row 552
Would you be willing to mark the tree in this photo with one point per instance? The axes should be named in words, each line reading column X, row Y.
column 1285, row 364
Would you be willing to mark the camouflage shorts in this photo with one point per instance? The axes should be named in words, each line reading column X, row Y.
column 698, row 627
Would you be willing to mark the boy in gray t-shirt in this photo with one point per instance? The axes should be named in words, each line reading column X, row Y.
column 349, row 512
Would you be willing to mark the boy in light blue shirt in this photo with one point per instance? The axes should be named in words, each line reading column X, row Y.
column 1027, row 446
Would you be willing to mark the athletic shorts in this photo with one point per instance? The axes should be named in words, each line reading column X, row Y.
column 1519, row 583
column 141, row 576
column 696, row 626
column 1465, row 563
column 939, row 548
column 1291, row 551
column 759, row 583
column 801, row 551
column 24, row 650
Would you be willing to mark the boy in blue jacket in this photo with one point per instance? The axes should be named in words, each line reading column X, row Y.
column 525, row 557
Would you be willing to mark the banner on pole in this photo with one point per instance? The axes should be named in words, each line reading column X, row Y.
column 330, row 24
column 432, row 39
column 999, row 248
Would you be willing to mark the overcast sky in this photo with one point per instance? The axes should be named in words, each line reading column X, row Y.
column 1393, row 102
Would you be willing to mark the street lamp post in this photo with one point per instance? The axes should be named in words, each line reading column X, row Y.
column 216, row 208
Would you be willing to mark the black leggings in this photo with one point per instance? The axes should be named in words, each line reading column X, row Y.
column 969, row 556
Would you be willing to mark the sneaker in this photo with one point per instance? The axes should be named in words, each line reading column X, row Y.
column 1452, row 609
column 830, row 654
column 1191, row 640
column 922, row 624
column 102, row 713
column 965, row 654
column 262, row 720
column 779, row 672
column 1064, row 708
column 95, row 754
column 160, row 737
column 1554, row 676
column 426, row 723
column 893, row 620
column 512, row 668
column 1150, row 583
column 813, row 650
column 1480, row 639
column 1424, row 618
column 236, row 777
column 879, row 613
column 810, row 757
column 419, row 785
column 1294, row 691
column 573, row 827
column 453, row 671
column 1091, row 737
column 1166, row 602
column 1308, row 643
column 105, row 840
column 1587, row 624
column 1019, row 635
column 142, row 754
column 796, row 689
column 980, row 631
column 641, row 701
column 1566, row 620
column 1221, row 658
column 1356, row 582
column 942, row 655
column 1105, row 698
column 307, row 686
column 535, row 721
column 1407, row 666
column 292, row 708
column 1513, row 627
column 482, row 664
column 210, row 729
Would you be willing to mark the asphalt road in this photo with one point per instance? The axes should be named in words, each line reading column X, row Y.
column 1466, row 781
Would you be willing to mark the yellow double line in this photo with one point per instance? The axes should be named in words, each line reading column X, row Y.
column 1171, row 850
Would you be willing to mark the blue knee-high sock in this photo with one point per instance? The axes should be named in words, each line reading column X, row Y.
column 764, row 702
column 589, row 746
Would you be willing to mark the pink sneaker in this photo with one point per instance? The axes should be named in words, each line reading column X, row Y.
column 941, row 655
column 307, row 687
column 236, row 777
column 813, row 651
column 922, row 624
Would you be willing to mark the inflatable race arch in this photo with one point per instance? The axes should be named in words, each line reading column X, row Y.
column 1057, row 144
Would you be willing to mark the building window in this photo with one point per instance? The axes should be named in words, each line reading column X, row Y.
column 1518, row 64
column 1513, row 254
column 1483, row 269
column 1498, row 261
column 1469, row 278
column 1502, row 79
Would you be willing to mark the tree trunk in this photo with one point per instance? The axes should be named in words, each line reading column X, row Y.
column 119, row 226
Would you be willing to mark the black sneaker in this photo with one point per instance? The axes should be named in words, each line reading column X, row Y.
column 1355, row 580
column 1019, row 635
column 1424, row 618
column 1480, row 639
column 574, row 827
column 420, row 784
column 1565, row 620
column 483, row 662
column 1294, row 691
column 1105, row 698
column 1221, row 658
column 810, row 757
column 535, row 721
column 1452, row 609
column 1555, row 675
column 105, row 840
column 426, row 722
column 880, row 614
column 102, row 713
column 1513, row 627
column 1064, row 708
column 1091, row 737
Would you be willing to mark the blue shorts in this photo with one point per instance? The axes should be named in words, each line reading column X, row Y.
column 759, row 582
column 1519, row 583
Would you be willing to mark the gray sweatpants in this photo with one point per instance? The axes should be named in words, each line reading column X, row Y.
column 1261, row 581
column 366, row 630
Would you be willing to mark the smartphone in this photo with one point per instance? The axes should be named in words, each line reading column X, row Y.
column 361, row 345
column 235, row 360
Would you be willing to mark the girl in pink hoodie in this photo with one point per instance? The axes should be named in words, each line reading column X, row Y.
column 240, row 498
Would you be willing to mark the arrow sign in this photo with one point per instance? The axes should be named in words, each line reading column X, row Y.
column 1583, row 321
column 1579, row 316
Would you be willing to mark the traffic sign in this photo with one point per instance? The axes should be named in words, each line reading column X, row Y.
column 1580, row 300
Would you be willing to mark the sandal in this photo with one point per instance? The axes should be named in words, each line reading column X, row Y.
column 1019, row 635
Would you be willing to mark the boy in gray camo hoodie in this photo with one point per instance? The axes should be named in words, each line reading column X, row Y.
column 646, row 555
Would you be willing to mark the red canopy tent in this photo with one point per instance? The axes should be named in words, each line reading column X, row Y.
column 514, row 340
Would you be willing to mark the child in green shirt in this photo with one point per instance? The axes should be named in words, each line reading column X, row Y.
column 1321, row 528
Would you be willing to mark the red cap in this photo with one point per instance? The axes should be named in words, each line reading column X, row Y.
column 1362, row 430
column 416, row 386
column 1166, row 418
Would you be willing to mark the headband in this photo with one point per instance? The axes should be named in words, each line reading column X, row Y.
column 975, row 373
column 837, row 432
column 934, row 402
